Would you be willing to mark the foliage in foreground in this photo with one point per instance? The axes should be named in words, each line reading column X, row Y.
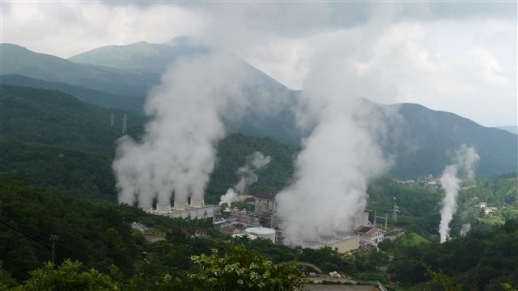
column 236, row 270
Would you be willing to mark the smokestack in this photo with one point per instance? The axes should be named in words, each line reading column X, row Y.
column 197, row 203
column 179, row 204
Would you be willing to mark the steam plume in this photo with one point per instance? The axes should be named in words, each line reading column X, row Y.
column 247, row 176
column 465, row 160
column 177, row 151
column 466, row 227
column 337, row 160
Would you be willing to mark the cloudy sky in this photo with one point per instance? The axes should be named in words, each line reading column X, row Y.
column 458, row 56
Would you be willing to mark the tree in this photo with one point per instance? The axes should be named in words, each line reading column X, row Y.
column 68, row 276
column 240, row 269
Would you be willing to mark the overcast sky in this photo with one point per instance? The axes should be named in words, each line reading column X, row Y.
column 457, row 56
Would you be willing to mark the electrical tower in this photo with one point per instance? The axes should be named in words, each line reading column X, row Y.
column 112, row 121
column 53, row 238
column 124, row 125
column 385, row 218
column 395, row 210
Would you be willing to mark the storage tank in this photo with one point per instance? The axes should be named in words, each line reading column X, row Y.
column 262, row 232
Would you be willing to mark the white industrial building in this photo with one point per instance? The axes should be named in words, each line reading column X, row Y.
column 196, row 210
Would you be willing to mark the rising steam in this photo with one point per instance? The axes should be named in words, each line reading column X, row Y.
column 247, row 176
column 176, row 154
column 465, row 160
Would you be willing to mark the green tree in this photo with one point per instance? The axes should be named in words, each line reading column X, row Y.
column 240, row 269
column 68, row 276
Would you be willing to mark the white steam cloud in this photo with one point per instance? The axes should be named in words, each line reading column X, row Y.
column 176, row 154
column 247, row 175
column 465, row 159
column 342, row 153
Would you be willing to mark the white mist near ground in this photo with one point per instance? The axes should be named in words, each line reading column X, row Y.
column 176, row 153
column 465, row 160
column 247, row 176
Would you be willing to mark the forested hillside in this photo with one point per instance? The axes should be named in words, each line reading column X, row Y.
column 431, row 137
column 72, row 171
column 95, row 97
column 21, row 61
column 58, row 119
column 99, row 235
column 421, row 140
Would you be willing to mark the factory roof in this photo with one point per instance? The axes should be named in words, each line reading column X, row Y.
column 268, row 196
column 367, row 230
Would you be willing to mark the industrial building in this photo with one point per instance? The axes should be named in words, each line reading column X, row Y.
column 196, row 210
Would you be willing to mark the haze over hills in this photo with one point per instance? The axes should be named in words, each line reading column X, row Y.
column 157, row 58
column 430, row 138
column 141, row 55
column 425, row 138
column 95, row 97
column 510, row 128
column 21, row 61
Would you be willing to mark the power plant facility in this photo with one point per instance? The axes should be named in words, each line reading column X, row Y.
column 259, row 220
column 182, row 209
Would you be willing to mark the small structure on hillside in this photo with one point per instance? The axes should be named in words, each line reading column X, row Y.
column 370, row 234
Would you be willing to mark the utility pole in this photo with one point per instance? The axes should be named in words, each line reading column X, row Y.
column 53, row 238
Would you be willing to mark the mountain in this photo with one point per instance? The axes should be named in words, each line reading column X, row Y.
column 53, row 139
column 157, row 58
column 54, row 118
column 141, row 55
column 511, row 128
column 421, row 141
column 135, row 70
column 95, row 97
column 17, row 60
column 429, row 138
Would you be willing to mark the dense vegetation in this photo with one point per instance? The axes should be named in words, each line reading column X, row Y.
column 57, row 119
column 486, row 260
column 79, row 173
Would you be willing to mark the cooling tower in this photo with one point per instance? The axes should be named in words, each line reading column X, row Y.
column 163, row 208
column 147, row 207
column 197, row 203
column 179, row 205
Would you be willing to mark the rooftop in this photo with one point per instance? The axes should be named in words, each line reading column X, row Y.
column 267, row 196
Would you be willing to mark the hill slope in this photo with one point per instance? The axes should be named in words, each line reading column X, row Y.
column 95, row 97
column 430, row 137
column 156, row 58
column 58, row 119
column 141, row 55
column 21, row 61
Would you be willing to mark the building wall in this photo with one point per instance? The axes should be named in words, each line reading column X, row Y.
column 347, row 245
